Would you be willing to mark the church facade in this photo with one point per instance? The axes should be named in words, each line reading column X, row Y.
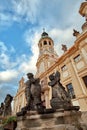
column 72, row 66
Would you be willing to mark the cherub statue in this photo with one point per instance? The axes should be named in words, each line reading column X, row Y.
column 64, row 47
column 60, row 97
column 33, row 93
column 75, row 33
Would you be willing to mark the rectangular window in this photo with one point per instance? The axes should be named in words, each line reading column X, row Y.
column 77, row 58
column 63, row 68
column 70, row 90
column 85, row 80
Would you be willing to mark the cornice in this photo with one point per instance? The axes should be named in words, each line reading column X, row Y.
column 82, row 72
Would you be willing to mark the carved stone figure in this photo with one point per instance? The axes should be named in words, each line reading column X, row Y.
column 33, row 93
column 7, row 106
column 2, row 109
column 64, row 47
column 60, row 98
column 75, row 33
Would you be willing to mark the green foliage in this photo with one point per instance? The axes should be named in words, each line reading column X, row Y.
column 9, row 120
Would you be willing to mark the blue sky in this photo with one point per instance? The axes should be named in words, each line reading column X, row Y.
column 21, row 25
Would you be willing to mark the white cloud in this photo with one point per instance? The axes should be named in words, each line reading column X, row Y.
column 61, row 37
column 8, row 76
column 32, row 41
column 5, row 20
column 21, row 65
column 3, row 48
column 5, row 58
column 46, row 13
column 4, row 17
column 24, row 63
column 27, row 9
column 12, row 50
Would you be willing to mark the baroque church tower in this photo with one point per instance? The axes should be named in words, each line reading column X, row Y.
column 47, row 55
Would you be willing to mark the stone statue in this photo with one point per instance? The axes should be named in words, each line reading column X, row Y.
column 64, row 47
column 75, row 33
column 2, row 109
column 33, row 93
column 7, row 105
column 60, row 98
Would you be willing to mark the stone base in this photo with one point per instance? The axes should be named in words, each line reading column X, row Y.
column 1, row 118
column 60, row 120
column 84, row 116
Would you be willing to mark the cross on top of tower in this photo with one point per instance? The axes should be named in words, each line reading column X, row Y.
column 43, row 29
column 44, row 34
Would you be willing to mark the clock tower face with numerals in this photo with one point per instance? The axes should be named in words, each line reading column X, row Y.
column 47, row 55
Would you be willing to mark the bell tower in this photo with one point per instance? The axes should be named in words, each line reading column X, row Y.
column 47, row 55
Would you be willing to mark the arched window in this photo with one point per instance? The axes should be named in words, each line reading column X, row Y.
column 70, row 90
column 45, row 42
column 49, row 43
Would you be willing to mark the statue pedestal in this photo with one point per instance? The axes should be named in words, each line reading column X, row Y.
column 59, row 120
column 1, row 118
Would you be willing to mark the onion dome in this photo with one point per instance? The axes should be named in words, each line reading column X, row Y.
column 44, row 34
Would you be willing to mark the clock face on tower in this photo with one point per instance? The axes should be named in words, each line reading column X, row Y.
column 41, row 67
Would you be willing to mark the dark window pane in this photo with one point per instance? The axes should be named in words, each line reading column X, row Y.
column 49, row 43
column 77, row 58
column 85, row 80
column 45, row 42
column 63, row 67
column 70, row 90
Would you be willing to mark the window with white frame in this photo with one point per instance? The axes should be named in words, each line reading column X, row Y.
column 70, row 90
column 77, row 58
column 63, row 68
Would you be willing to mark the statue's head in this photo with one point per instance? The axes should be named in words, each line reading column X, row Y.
column 2, row 104
column 51, row 77
column 8, row 99
column 30, row 75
